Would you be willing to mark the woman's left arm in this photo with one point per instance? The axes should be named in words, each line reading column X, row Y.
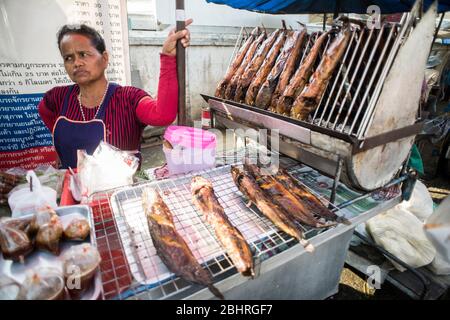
column 163, row 110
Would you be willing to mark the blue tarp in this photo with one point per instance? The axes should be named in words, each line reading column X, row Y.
column 326, row 6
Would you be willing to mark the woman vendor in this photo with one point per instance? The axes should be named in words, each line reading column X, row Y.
column 93, row 109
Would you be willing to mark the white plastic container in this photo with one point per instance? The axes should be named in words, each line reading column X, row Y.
column 192, row 149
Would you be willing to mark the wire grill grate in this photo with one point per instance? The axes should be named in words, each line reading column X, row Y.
column 131, row 267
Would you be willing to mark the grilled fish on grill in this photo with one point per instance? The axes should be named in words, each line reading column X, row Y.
column 296, row 208
column 288, row 69
column 265, row 69
column 300, row 78
column 311, row 202
column 230, row 237
column 221, row 87
column 230, row 92
column 170, row 245
column 248, row 186
column 250, row 71
column 310, row 97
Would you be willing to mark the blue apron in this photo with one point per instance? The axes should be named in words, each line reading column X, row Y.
column 70, row 135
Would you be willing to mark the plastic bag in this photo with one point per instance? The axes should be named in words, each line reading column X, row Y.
column 106, row 169
column 420, row 204
column 27, row 200
column 43, row 284
column 9, row 289
column 400, row 232
column 80, row 265
column 437, row 229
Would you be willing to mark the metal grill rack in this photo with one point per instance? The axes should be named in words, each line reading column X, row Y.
column 131, row 267
column 353, row 91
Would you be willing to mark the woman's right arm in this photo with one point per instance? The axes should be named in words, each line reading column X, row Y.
column 47, row 112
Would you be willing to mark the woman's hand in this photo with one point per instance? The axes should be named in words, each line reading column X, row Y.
column 170, row 45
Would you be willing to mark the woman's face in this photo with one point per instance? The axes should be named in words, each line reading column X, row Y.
column 83, row 63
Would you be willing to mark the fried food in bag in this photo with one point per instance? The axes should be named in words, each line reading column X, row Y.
column 80, row 265
column 43, row 284
column 78, row 230
column 14, row 243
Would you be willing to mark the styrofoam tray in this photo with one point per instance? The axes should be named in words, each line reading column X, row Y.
column 41, row 259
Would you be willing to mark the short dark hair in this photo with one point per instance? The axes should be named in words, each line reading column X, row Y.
column 96, row 39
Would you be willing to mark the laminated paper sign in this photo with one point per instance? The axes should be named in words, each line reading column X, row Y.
column 30, row 64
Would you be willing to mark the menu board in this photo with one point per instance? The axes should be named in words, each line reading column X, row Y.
column 30, row 65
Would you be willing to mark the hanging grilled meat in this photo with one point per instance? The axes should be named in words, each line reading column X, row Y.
column 221, row 87
column 170, row 245
column 14, row 243
column 291, row 60
column 230, row 92
column 295, row 207
column 265, row 69
column 311, row 202
column 250, row 71
column 300, row 78
column 229, row 236
column 248, row 186
column 310, row 97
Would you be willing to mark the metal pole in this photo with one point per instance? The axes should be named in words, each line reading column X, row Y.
column 181, row 65
column 437, row 30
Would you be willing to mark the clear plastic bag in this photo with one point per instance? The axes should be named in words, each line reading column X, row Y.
column 106, row 169
column 27, row 199
column 80, row 265
column 43, row 284
column 437, row 229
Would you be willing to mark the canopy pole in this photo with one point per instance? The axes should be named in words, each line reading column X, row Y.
column 181, row 65
column 324, row 21
column 437, row 30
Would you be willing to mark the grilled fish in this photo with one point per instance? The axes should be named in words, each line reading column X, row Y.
column 230, row 92
column 295, row 207
column 221, row 87
column 300, row 78
column 265, row 69
column 310, row 200
column 248, row 186
column 170, row 246
column 230, row 237
column 310, row 97
column 288, row 69
column 250, row 71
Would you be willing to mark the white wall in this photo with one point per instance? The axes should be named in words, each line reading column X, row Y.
column 210, row 14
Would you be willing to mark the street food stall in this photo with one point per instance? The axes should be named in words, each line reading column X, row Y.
column 225, row 225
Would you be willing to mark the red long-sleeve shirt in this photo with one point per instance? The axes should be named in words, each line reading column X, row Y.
column 127, row 113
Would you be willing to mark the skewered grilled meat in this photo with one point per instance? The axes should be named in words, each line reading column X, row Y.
column 310, row 97
column 221, row 87
column 286, row 64
column 170, row 245
column 230, row 237
column 250, row 71
column 248, row 186
column 230, row 92
column 265, row 69
column 311, row 202
column 14, row 243
column 300, row 78
column 295, row 207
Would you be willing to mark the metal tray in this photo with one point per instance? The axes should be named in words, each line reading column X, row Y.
column 38, row 259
